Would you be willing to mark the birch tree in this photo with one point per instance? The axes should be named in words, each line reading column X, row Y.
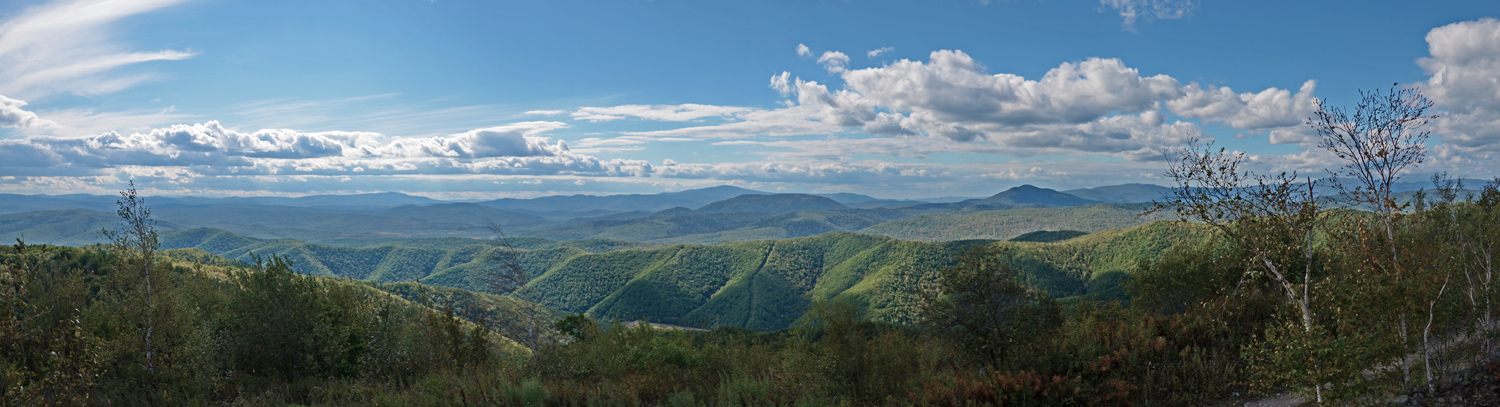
column 1272, row 217
column 137, row 241
column 1380, row 140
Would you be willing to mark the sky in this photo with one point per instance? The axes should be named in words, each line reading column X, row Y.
column 483, row 99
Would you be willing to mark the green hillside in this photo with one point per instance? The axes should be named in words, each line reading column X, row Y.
column 766, row 284
column 1009, row 223
column 763, row 284
column 389, row 263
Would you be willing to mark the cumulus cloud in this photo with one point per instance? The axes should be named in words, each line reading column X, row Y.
column 952, row 87
column 670, row 113
column 1094, row 106
column 803, row 51
column 878, row 52
column 12, row 115
column 834, row 61
column 1464, row 62
column 65, row 47
column 1147, row 10
column 515, row 140
column 1270, row 108
column 545, row 112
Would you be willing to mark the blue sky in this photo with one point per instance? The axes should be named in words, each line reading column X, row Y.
column 901, row 99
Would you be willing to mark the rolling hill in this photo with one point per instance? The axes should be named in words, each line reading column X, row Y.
column 81, row 226
column 467, row 214
column 1124, row 193
column 13, row 203
column 1025, row 196
column 593, row 205
column 1009, row 223
column 777, row 203
column 689, row 226
column 761, row 285
column 73, row 227
column 1031, row 195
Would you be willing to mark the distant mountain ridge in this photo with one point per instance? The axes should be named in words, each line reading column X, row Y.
column 1031, row 195
column 1024, row 196
column 603, row 204
column 1124, row 193
column 778, row 203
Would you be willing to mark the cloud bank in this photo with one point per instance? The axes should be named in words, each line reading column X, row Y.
column 1098, row 106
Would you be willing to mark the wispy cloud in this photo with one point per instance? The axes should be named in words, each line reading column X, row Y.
column 67, row 47
column 1132, row 11
column 381, row 113
column 670, row 113
column 87, row 122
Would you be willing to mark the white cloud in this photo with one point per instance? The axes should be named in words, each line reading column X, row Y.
column 1464, row 62
column 66, row 47
column 782, row 83
column 834, row 61
column 803, row 51
column 82, row 122
column 515, row 140
column 878, row 52
column 1147, row 10
column 953, row 88
column 12, row 115
column 1097, row 106
column 671, row 113
column 1270, row 108
column 210, row 149
column 545, row 112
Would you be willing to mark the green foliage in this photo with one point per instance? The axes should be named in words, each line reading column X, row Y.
column 982, row 305
column 763, row 285
column 74, row 326
column 287, row 326
column 47, row 360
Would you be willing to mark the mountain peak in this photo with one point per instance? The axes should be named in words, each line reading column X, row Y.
column 1031, row 194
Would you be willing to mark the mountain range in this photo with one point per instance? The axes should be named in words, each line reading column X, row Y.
column 708, row 215
column 723, row 256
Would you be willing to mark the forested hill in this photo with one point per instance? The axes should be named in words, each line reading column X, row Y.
column 1009, row 223
column 760, row 285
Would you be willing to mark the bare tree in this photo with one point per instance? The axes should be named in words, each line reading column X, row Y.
column 1378, row 141
column 137, row 241
column 1273, row 218
column 1382, row 138
column 510, row 277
